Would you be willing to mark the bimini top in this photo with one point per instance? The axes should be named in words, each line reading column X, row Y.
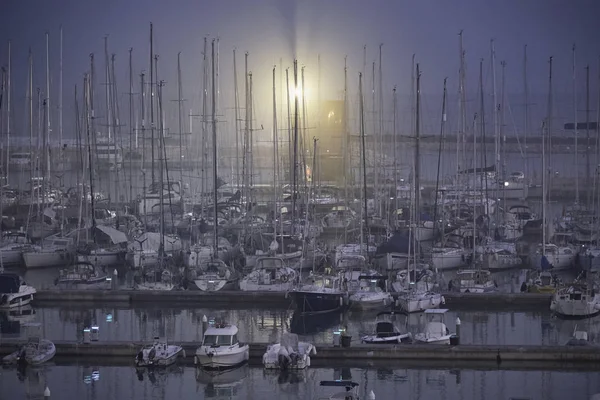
column 340, row 383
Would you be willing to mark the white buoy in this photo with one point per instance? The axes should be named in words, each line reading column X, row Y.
column 371, row 395
column 47, row 392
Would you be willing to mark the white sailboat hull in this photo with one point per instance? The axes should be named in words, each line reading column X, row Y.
column 46, row 258
column 412, row 303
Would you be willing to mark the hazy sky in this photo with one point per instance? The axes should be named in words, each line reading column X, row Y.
column 271, row 30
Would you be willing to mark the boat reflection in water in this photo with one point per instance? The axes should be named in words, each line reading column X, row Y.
column 222, row 384
column 308, row 324
column 158, row 376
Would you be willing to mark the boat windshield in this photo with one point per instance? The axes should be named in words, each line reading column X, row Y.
column 211, row 340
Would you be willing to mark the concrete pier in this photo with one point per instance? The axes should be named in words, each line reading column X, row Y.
column 496, row 354
column 195, row 298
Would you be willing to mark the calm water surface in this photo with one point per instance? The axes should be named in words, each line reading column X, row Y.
column 185, row 324
column 99, row 382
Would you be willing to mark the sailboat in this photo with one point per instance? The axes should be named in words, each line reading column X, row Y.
column 418, row 297
column 549, row 255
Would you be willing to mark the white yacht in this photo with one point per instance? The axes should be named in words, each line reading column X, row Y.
column 385, row 331
column 14, row 292
column 575, row 301
column 158, row 354
column 436, row 331
column 448, row 257
column 269, row 275
column 36, row 351
column 221, row 348
column 288, row 354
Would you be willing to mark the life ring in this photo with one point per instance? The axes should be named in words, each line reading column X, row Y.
column 284, row 278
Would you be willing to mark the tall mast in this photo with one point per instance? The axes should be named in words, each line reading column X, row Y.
column 131, row 128
column 60, row 93
column 394, row 133
column 588, row 182
column 30, row 103
column 462, row 105
column 495, row 114
column 575, row 127
column 107, row 90
column 501, row 128
column 180, row 116
column 380, row 115
column 204, row 165
column 346, row 147
column 237, row 123
column 527, row 123
column 247, row 117
column 295, row 151
column 374, row 139
column 47, row 110
column 275, row 155
column 8, row 108
column 361, row 104
column 161, row 161
column 152, row 98
column 143, row 111
column 418, row 149
column 544, row 169
column 214, row 144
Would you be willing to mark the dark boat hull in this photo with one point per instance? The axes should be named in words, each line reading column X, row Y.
column 314, row 302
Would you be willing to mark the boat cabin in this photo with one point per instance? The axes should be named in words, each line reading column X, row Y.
column 220, row 334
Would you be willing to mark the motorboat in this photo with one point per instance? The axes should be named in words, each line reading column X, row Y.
column 214, row 275
column 270, row 274
column 473, row 281
column 369, row 294
column 321, row 293
column 158, row 354
column 385, row 331
column 288, row 354
column 14, row 291
column 220, row 348
column 575, row 301
column 35, row 352
column 436, row 331
column 345, row 390
column 82, row 275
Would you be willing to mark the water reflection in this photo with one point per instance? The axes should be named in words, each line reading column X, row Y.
column 254, row 383
column 185, row 325
column 221, row 384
